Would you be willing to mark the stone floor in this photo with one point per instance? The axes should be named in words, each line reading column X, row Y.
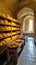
column 28, row 55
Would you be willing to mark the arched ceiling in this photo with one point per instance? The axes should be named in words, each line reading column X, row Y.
column 12, row 7
column 24, row 12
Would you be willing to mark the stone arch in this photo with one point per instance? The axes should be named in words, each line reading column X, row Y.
column 25, row 13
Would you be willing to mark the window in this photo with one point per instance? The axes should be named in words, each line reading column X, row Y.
column 30, row 26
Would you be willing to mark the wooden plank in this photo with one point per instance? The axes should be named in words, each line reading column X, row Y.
column 2, row 49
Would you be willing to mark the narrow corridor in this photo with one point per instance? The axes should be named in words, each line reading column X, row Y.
column 17, row 32
column 28, row 55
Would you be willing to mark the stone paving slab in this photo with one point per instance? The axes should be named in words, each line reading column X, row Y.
column 28, row 55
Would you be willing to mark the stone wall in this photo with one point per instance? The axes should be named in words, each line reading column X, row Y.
column 7, row 6
column 35, row 26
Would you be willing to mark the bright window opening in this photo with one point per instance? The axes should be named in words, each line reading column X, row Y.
column 30, row 26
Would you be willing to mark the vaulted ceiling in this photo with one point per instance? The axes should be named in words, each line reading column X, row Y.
column 12, row 7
